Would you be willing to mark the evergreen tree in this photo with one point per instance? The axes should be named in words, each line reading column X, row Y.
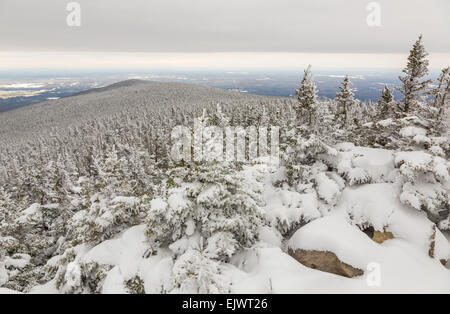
column 385, row 104
column 218, row 118
column 440, row 100
column 5, row 206
column 417, row 67
column 345, row 101
column 307, row 97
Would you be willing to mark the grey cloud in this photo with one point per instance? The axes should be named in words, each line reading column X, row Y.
column 224, row 25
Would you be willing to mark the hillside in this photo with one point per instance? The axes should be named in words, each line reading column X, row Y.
column 128, row 96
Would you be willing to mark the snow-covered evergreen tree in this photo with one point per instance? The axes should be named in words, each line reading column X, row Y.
column 439, row 104
column 209, row 200
column 412, row 86
column 386, row 104
column 307, row 97
column 194, row 272
column 345, row 100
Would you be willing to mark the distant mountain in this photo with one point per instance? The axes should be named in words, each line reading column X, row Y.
column 105, row 101
column 127, row 83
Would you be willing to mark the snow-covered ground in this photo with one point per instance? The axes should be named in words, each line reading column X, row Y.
column 333, row 218
column 404, row 266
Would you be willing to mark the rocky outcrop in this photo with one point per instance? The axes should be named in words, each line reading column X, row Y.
column 325, row 261
column 378, row 236
column 432, row 243
column 432, row 249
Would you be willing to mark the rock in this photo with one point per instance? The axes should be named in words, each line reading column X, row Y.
column 3, row 274
column 378, row 236
column 432, row 243
column 325, row 261
column 432, row 250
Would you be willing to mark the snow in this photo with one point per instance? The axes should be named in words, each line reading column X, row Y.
column 401, row 266
column 404, row 266
column 284, row 206
column 378, row 205
column 371, row 204
column 221, row 244
column 416, row 159
column 76, row 189
column 156, row 272
column 4, row 277
column 441, row 170
column 386, row 122
column 18, row 261
column 51, row 206
column 31, row 213
column 412, row 131
column 125, row 200
column 424, row 195
column 124, row 251
column 442, row 247
column 347, row 246
column 158, row 204
column 359, row 165
column 349, row 191
column 190, row 242
column 270, row 236
column 73, row 274
column 378, row 163
column 366, row 164
column 8, row 291
column 327, row 189
column 210, row 192
column 190, row 227
column 48, row 288
column 114, row 282
column 290, row 207
column 404, row 262
column 177, row 201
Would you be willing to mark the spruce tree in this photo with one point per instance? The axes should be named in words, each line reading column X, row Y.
column 440, row 99
column 385, row 103
column 307, row 97
column 417, row 67
column 345, row 100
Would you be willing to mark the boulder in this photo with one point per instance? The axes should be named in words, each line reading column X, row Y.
column 378, row 236
column 325, row 261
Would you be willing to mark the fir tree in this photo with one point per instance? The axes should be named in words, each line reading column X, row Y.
column 440, row 100
column 417, row 67
column 385, row 104
column 307, row 97
column 218, row 118
column 345, row 102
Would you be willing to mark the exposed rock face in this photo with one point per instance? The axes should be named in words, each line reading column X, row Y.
column 432, row 249
column 378, row 236
column 432, row 243
column 325, row 261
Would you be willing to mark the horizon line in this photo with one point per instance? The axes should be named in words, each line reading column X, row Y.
column 82, row 60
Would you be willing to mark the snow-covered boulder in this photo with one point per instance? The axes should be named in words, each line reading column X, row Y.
column 325, row 261
column 401, row 265
column 344, row 241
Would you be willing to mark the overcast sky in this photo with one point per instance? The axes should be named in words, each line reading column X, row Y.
column 195, row 30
